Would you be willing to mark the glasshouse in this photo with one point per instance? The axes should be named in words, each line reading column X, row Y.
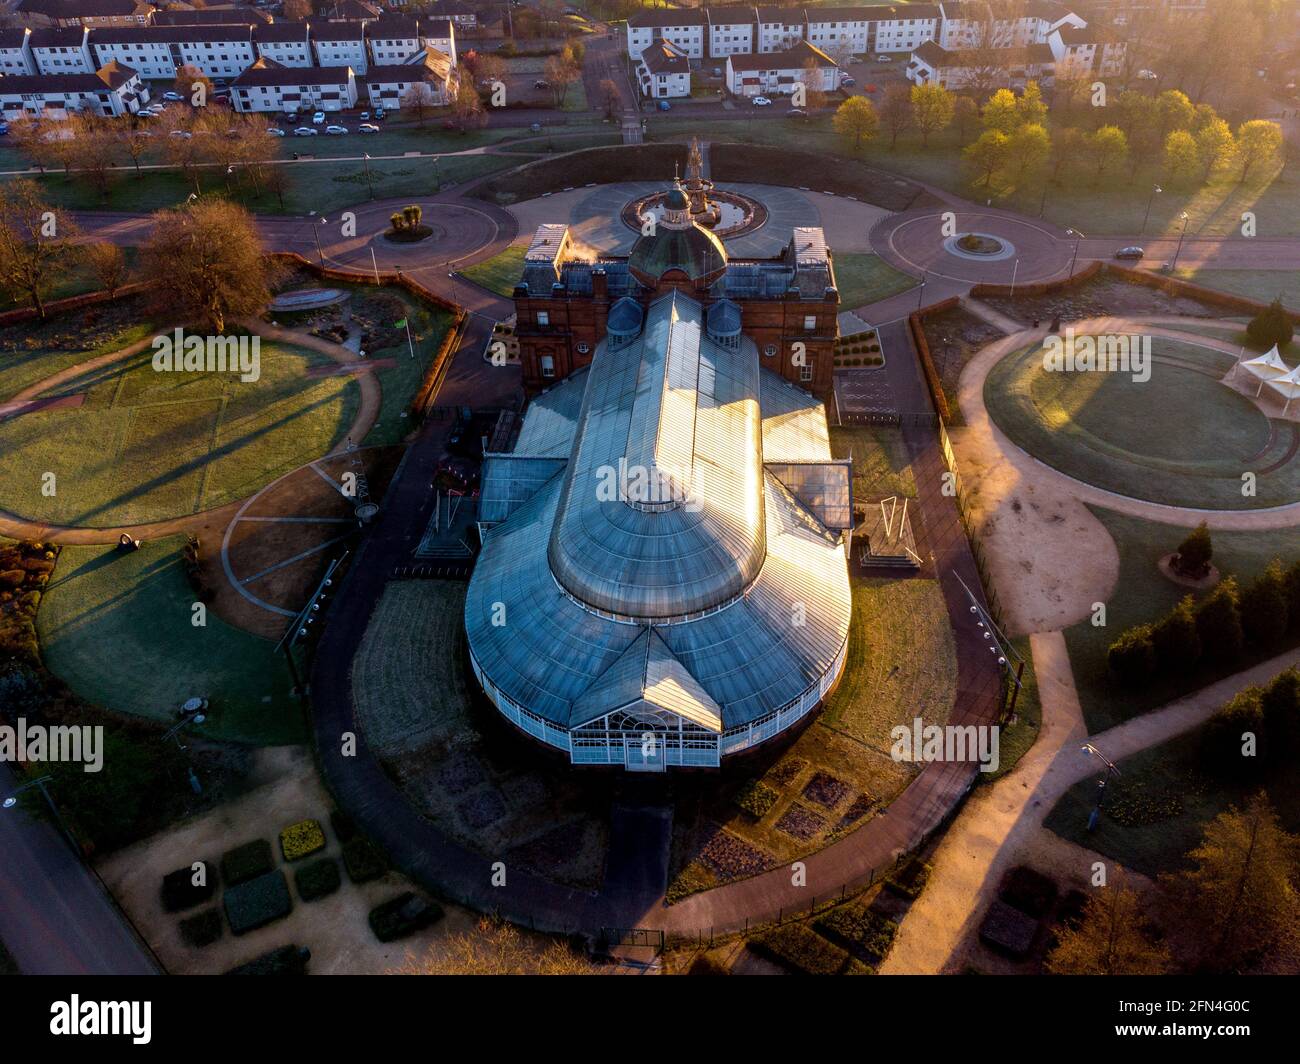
column 663, row 580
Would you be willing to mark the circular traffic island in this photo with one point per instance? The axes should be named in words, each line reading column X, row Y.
column 1168, row 431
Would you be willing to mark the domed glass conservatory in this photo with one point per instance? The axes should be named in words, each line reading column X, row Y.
column 663, row 580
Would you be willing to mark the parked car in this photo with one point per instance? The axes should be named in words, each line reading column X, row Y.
column 664, row 105
column 869, row 88
column 318, row 119
column 183, row 133
column 275, row 131
column 174, row 97
column 305, row 131
column 541, row 83
column 4, row 129
column 379, row 114
column 1147, row 75
column 761, row 101
column 848, row 79
column 1134, row 252
column 365, row 116
column 367, row 127
column 336, row 131
column 796, row 112
column 291, row 115
column 884, row 59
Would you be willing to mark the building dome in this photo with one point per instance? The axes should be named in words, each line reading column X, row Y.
column 677, row 244
column 677, row 200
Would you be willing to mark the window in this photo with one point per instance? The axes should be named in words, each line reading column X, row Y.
column 805, row 371
column 809, row 322
column 583, row 348
column 543, row 317
column 769, row 350
column 548, row 366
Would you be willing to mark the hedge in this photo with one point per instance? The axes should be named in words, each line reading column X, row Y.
column 286, row 960
column 318, row 879
column 179, row 891
column 860, row 930
column 301, row 839
column 257, row 903
column 246, row 862
column 363, row 860
column 202, row 929
column 756, row 798
column 402, row 916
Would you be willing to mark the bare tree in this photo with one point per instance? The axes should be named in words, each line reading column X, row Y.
column 419, row 100
column 896, row 111
column 108, row 263
column 37, row 242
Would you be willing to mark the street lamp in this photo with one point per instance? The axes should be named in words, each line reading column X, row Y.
column 39, row 783
column 1075, row 257
column 1015, row 269
column 1150, row 199
column 920, row 292
column 316, row 232
column 1111, row 770
column 1179, row 250
column 366, row 158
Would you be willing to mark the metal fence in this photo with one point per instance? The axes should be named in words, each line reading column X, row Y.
column 966, row 513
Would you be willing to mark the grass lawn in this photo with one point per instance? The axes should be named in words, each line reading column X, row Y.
column 116, row 627
column 459, row 762
column 1159, row 807
column 501, row 272
column 1141, row 595
column 1264, row 285
column 1180, row 438
column 881, row 464
column 838, row 771
column 145, row 446
column 865, row 278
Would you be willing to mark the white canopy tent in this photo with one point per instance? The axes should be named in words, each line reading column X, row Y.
column 1266, row 367
column 1287, row 386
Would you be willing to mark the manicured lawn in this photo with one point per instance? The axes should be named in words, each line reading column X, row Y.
column 501, row 272
column 1158, row 808
column 866, row 278
column 1264, row 285
column 881, row 465
column 146, row 445
column 886, row 680
column 116, row 627
column 1179, row 438
column 1141, row 595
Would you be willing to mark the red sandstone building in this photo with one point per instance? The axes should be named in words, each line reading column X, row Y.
column 787, row 304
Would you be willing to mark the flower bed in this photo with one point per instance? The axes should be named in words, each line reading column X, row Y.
column 865, row 933
column 800, row 822
column 858, row 808
column 301, row 839
column 257, row 902
column 756, row 798
column 826, row 790
column 363, row 860
column 800, row 949
column 481, row 809
column 732, row 858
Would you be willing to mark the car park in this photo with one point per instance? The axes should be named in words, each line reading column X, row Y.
column 336, row 131
column 367, row 127
column 305, row 131
column 761, row 101
column 1133, row 252
column 275, row 131
column 318, row 119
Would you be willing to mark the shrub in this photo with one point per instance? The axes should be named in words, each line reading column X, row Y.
column 402, row 916
column 202, row 929
column 1221, row 738
column 1271, row 326
column 257, row 902
column 860, row 929
column 1175, row 638
column 287, row 960
column 708, row 964
column 1029, row 891
column 363, row 860
column 301, row 839
column 318, row 879
column 246, row 862
column 1192, row 558
column 909, row 881
column 1218, row 622
column 1264, row 607
column 344, row 829
column 756, row 798
column 800, row 949
column 1132, row 656
column 179, row 891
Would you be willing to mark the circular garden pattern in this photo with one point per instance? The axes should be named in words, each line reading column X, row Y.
column 1179, row 438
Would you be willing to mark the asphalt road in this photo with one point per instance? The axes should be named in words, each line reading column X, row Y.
column 57, row 919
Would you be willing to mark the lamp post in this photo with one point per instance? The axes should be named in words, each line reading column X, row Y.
column 920, row 292
column 1111, row 770
column 39, row 783
column 315, row 228
column 1179, row 250
column 1078, row 236
column 366, row 158
column 1015, row 269
column 1150, row 200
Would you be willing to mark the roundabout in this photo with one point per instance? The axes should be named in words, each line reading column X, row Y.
column 1005, row 249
